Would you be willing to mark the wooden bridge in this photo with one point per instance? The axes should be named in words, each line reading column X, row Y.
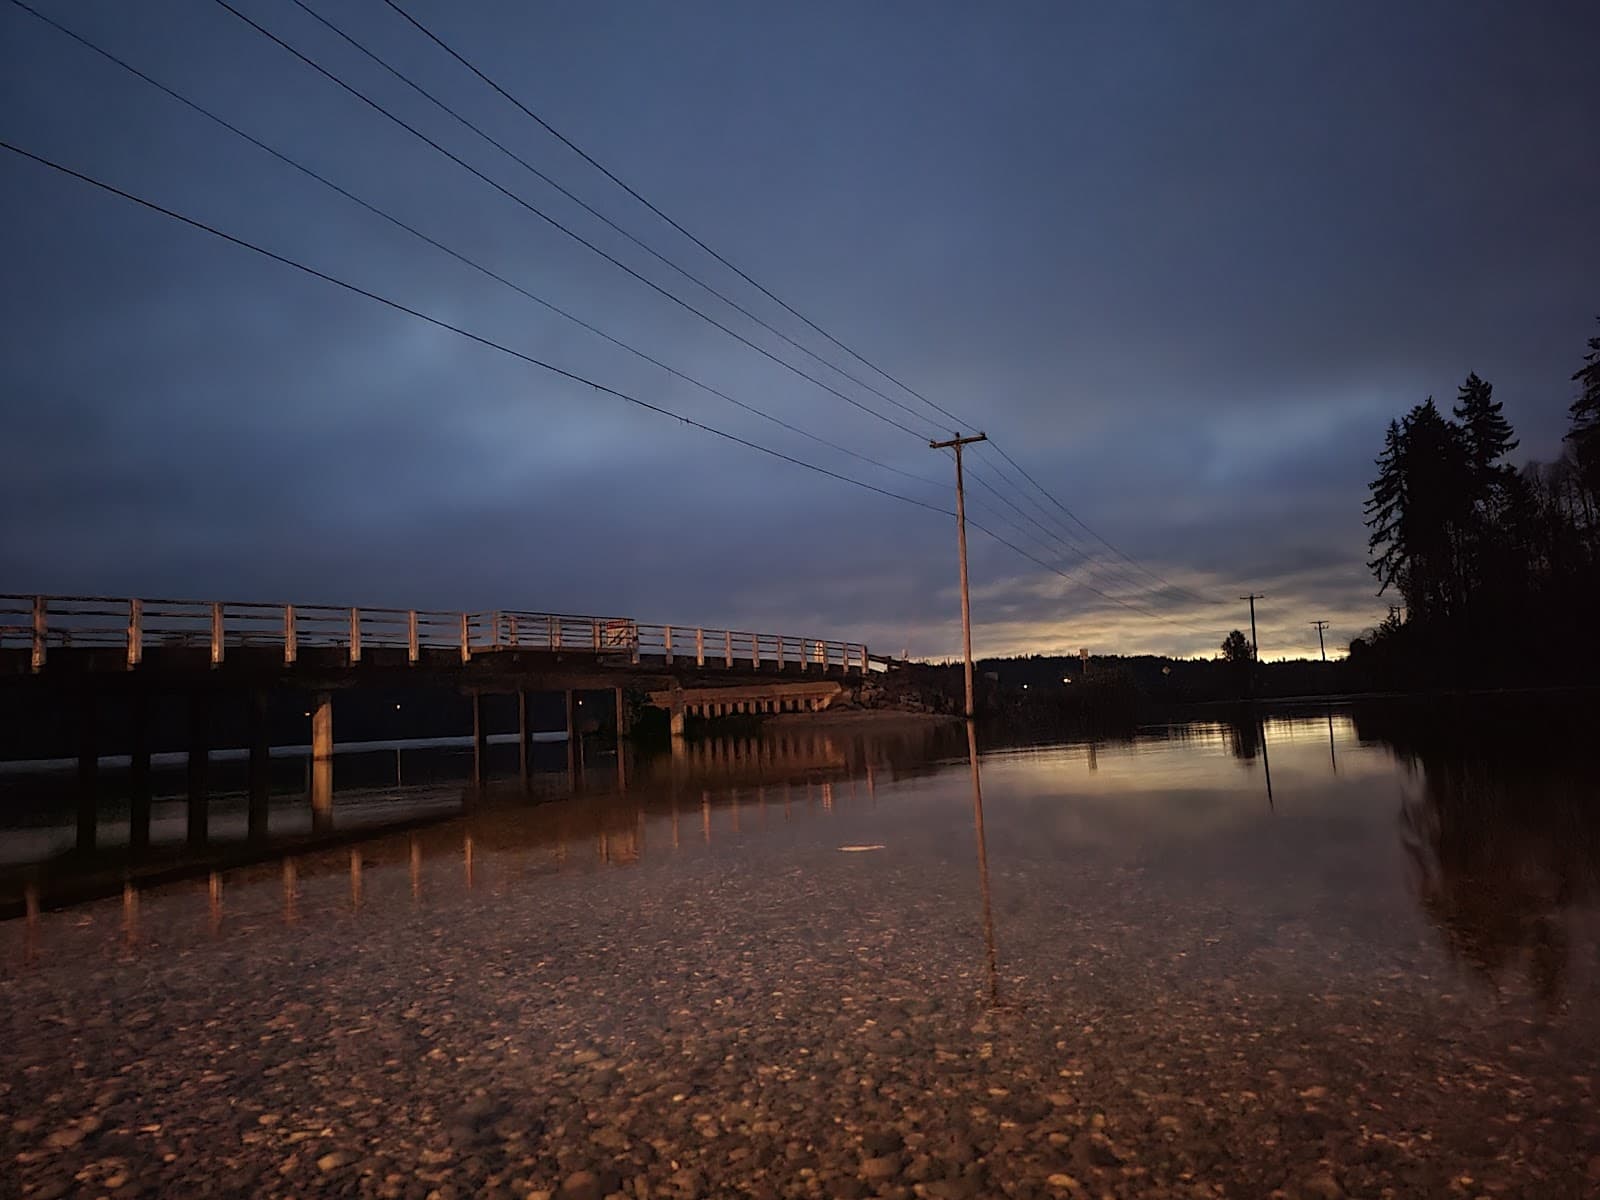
column 40, row 633
column 94, row 653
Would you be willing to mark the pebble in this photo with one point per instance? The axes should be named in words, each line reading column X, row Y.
column 777, row 1026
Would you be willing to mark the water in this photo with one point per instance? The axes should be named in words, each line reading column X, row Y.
column 1334, row 951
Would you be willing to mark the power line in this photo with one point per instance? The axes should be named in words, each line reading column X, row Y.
column 457, row 329
column 474, row 264
column 1080, row 522
column 1077, row 583
column 396, row 305
column 542, row 215
column 1064, row 542
column 652, row 207
column 588, row 158
column 591, row 210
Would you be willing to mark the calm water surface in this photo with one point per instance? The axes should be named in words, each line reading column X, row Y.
column 1323, row 953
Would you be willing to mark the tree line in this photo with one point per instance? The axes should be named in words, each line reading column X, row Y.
column 1494, row 568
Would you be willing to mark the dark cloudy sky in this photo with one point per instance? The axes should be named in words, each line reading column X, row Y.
column 1183, row 261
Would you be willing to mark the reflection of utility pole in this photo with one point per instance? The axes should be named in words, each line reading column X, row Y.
column 961, row 540
column 1253, row 597
column 983, row 866
column 1266, row 762
column 1321, row 625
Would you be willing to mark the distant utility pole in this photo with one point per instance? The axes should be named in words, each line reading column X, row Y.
column 1253, row 597
column 1321, row 625
column 961, row 541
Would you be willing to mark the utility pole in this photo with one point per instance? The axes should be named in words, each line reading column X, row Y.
column 1253, row 597
column 961, row 541
column 1321, row 625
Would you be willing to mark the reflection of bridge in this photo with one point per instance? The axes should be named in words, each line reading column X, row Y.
column 93, row 652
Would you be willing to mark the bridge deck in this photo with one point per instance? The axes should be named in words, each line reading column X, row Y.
column 51, row 635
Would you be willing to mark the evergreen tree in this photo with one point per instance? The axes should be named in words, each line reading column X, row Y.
column 1384, row 509
column 1418, row 510
column 1486, row 434
column 1585, row 432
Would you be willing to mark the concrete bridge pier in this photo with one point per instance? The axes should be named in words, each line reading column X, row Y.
column 88, row 772
column 322, row 725
column 321, row 782
column 199, row 761
column 677, row 712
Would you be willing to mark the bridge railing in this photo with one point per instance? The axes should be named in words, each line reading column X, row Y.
column 516, row 630
column 730, row 648
column 133, row 626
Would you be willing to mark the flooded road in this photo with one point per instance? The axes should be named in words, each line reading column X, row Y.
column 1305, row 954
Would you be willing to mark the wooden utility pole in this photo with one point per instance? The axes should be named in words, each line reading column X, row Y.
column 1253, row 597
column 1321, row 625
column 961, row 541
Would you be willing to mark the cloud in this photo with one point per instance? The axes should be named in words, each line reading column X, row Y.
column 1183, row 270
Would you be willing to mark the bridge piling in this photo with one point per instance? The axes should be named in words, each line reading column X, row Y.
column 88, row 772
column 199, row 761
column 524, row 737
column 622, row 733
column 139, row 776
column 480, row 742
column 571, row 708
column 260, row 766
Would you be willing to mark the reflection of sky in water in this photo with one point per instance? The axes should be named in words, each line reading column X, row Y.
column 1166, row 846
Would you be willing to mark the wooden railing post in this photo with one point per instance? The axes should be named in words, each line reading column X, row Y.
column 413, row 646
column 466, row 638
column 494, row 631
column 727, row 647
column 216, row 634
column 355, row 636
column 666, row 640
column 755, row 651
column 135, row 633
column 555, row 633
column 699, row 647
column 512, row 628
column 780, row 652
column 291, row 637
column 597, row 635
column 40, row 628
column 863, row 660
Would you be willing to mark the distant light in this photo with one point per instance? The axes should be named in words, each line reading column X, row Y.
column 397, row 708
column 1024, row 687
column 580, row 703
column 1064, row 679
column 307, row 712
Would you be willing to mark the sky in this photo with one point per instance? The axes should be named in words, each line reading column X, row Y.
column 1181, row 262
